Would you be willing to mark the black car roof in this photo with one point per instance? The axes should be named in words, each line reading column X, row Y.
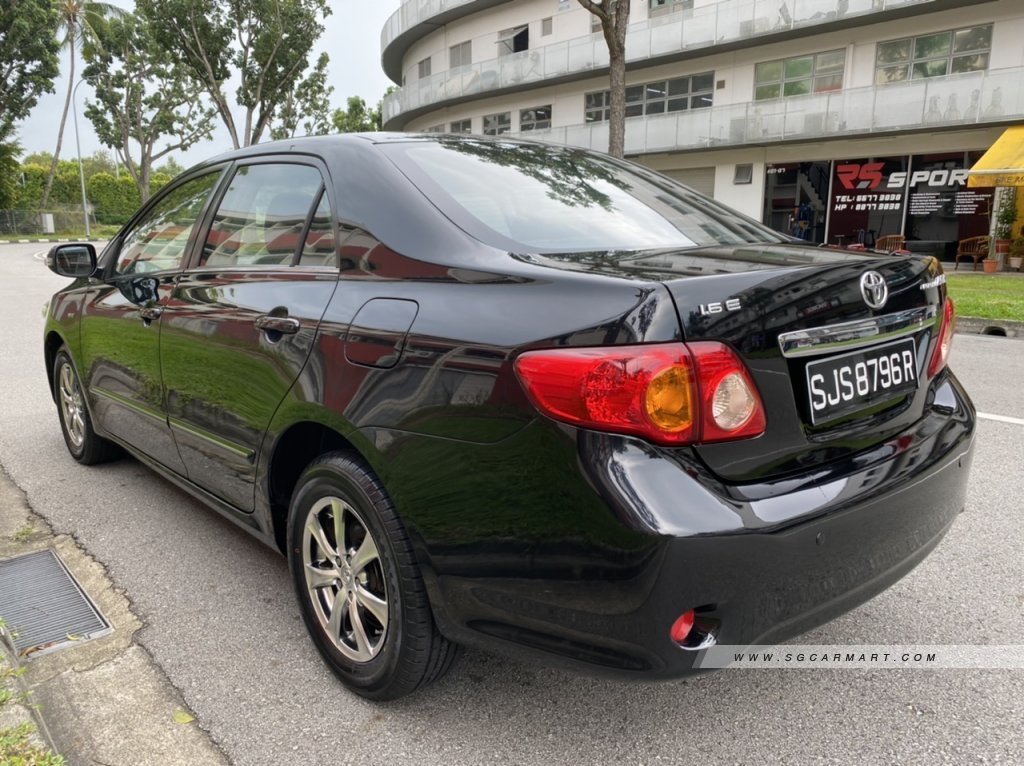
column 324, row 146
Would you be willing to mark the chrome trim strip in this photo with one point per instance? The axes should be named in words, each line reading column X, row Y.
column 201, row 433
column 236, row 449
column 852, row 335
column 131, row 404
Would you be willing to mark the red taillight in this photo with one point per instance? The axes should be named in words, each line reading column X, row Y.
column 941, row 353
column 681, row 628
column 670, row 393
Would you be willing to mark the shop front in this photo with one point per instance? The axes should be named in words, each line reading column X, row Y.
column 919, row 203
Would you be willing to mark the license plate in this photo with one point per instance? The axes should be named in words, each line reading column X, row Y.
column 843, row 384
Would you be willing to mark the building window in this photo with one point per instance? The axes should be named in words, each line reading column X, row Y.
column 538, row 118
column 799, row 75
column 460, row 55
column 461, row 126
column 424, row 68
column 547, row 26
column 934, row 55
column 668, row 6
column 435, row 129
column 497, row 124
column 597, row 106
column 677, row 95
column 515, row 40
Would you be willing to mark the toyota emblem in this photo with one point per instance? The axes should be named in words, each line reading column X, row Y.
column 874, row 288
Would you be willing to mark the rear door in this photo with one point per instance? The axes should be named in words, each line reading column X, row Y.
column 241, row 321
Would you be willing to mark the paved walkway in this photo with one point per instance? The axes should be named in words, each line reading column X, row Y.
column 103, row 701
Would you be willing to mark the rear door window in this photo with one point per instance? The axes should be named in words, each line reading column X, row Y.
column 262, row 216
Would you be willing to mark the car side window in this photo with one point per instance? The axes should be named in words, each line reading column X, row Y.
column 320, row 246
column 260, row 220
column 157, row 241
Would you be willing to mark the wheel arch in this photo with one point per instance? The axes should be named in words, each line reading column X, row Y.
column 51, row 345
column 293, row 450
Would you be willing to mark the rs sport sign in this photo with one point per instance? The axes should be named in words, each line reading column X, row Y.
column 869, row 176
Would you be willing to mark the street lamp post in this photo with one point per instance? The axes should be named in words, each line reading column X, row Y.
column 78, row 149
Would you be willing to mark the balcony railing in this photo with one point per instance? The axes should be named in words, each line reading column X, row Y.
column 730, row 21
column 966, row 99
column 413, row 12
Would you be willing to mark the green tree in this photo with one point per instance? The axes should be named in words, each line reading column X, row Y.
column 614, row 16
column 142, row 100
column 31, row 180
column 266, row 44
column 309, row 101
column 9, row 174
column 28, row 58
column 100, row 161
column 78, row 25
column 169, row 169
column 357, row 118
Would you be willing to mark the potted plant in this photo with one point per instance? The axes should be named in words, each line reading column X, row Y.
column 1005, row 219
column 1017, row 252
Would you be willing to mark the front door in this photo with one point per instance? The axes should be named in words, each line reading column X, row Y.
column 240, row 324
column 122, row 319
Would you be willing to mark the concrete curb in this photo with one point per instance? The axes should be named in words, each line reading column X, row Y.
column 104, row 700
column 45, row 241
column 1003, row 328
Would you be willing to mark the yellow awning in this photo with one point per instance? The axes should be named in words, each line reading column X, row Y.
column 1003, row 163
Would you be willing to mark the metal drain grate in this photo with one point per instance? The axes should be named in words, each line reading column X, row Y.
column 44, row 606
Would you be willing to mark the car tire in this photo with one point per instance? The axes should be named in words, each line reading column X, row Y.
column 382, row 641
column 84, row 444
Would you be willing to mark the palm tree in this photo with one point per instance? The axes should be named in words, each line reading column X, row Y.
column 79, row 20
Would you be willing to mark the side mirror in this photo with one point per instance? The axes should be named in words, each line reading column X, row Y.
column 74, row 261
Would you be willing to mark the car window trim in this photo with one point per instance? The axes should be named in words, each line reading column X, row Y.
column 297, row 255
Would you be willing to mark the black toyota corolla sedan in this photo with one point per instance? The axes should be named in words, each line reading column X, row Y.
column 518, row 396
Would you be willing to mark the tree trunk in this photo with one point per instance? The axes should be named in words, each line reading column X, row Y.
column 614, row 15
column 63, row 120
column 617, row 122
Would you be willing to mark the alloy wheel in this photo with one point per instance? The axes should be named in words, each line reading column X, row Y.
column 345, row 579
column 71, row 405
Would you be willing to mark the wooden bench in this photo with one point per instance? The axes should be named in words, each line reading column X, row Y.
column 975, row 248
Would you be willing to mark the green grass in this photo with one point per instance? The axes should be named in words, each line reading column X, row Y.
column 987, row 296
column 16, row 745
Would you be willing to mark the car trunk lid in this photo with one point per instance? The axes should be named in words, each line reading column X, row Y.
column 819, row 339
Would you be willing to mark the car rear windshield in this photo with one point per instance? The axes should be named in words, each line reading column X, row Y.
column 548, row 199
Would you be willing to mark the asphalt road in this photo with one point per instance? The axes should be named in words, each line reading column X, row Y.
column 222, row 623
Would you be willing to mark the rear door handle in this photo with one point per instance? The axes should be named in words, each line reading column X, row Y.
column 150, row 313
column 283, row 325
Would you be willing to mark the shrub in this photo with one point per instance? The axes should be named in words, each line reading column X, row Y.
column 113, row 199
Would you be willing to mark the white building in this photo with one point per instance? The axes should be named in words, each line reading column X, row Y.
column 828, row 117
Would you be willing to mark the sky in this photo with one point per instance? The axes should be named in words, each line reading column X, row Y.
column 351, row 39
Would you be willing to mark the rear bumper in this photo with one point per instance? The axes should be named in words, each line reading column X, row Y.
column 760, row 563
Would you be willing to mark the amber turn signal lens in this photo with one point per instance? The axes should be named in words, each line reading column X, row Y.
column 667, row 400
